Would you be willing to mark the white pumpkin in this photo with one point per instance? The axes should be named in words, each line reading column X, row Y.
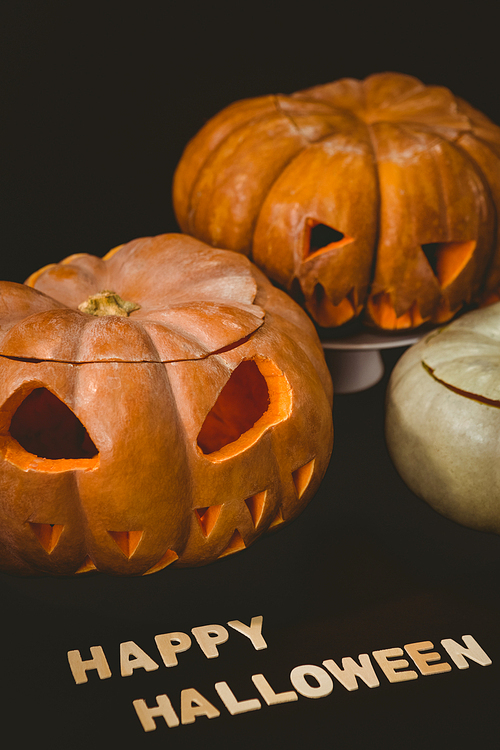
column 443, row 419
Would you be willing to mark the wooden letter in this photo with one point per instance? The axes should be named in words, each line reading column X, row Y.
column 233, row 705
column 170, row 644
column 139, row 660
column 254, row 632
column 350, row 669
column 472, row 651
column 272, row 698
column 163, row 708
column 388, row 665
column 80, row 668
column 208, row 637
column 193, row 704
column 302, row 686
column 423, row 660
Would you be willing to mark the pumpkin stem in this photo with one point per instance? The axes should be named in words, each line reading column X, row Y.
column 108, row 303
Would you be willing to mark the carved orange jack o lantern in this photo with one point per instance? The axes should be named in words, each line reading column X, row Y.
column 379, row 196
column 162, row 405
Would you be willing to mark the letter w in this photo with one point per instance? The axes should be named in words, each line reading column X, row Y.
column 347, row 675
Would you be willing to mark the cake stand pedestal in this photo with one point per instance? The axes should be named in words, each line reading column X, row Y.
column 355, row 362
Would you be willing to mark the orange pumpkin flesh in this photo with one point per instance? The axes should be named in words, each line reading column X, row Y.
column 175, row 433
column 378, row 197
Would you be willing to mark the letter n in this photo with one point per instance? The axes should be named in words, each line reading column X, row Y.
column 472, row 651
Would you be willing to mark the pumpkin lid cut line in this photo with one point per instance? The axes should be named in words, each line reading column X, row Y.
column 205, row 355
column 459, row 391
column 179, row 332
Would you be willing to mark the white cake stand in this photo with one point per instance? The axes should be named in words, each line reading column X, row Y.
column 355, row 361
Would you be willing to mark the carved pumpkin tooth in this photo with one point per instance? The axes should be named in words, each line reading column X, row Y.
column 302, row 476
column 127, row 541
column 47, row 534
column 86, row 567
column 168, row 558
column 328, row 314
column 207, row 517
column 277, row 520
column 236, row 544
column 255, row 505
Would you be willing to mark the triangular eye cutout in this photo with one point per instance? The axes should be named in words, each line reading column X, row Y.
column 44, row 426
column 256, row 504
column 236, row 544
column 168, row 558
column 320, row 237
column 47, row 534
column 127, row 540
column 207, row 518
column 448, row 259
column 302, row 476
column 241, row 403
column 256, row 396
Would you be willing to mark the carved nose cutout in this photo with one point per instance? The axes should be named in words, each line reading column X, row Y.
column 256, row 396
column 448, row 259
column 44, row 426
column 318, row 238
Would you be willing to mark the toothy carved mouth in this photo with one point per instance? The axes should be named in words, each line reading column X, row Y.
column 48, row 534
column 381, row 310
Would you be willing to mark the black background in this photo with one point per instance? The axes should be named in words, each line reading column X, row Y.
column 98, row 102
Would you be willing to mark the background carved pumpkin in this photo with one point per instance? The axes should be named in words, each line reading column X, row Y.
column 187, row 411
column 443, row 419
column 380, row 196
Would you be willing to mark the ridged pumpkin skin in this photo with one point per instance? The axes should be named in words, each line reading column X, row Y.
column 203, row 417
column 379, row 197
column 443, row 419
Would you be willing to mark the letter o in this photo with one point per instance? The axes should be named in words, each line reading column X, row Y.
column 302, row 686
